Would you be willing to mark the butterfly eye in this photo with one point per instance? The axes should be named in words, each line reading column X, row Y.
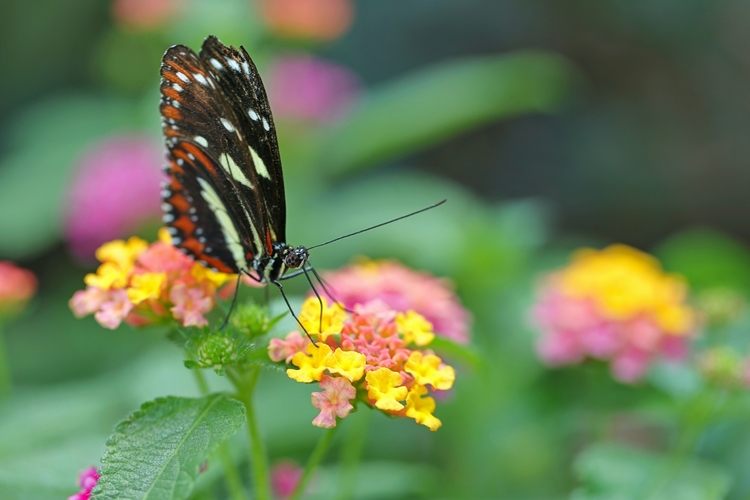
column 296, row 257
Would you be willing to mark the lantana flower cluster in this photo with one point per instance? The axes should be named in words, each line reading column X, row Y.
column 615, row 304
column 374, row 354
column 143, row 284
column 402, row 289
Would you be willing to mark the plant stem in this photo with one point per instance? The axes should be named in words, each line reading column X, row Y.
column 231, row 474
column 245, row 385
column 5, row 380
column 313, row 462
column 351, row 453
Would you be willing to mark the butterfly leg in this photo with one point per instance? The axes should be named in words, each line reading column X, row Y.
column 234, row 301
column 289, row 306
column 320, row 301
column 320, row 280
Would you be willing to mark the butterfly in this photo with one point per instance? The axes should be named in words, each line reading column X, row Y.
column 224, row 202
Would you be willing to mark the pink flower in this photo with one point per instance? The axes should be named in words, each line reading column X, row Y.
column 190, row 304
column 88, row 301
column 307, row 88
column 17, row 286
column 114, row 309
column 115, row 189
column 308, row 19
column 402, row 289
column 144, row 13
column 87, row 480
column 334, row 402
column 284, row 350
column 285, row 476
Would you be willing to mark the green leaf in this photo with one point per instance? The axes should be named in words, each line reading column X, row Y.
column 613, row 471
column 707, row 258
column 441, row 101
column 156, row 452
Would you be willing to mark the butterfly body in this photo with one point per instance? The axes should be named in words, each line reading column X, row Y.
column 224, row 202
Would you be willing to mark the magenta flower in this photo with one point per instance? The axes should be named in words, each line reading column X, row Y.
column 306, row 88
column 334, row 402
column 402, row 289
column 87, row 480
column 284, row 478
column 115, row 189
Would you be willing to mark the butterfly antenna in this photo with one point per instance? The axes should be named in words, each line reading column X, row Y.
column 379, row 225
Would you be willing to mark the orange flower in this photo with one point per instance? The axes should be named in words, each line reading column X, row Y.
column 308, row 19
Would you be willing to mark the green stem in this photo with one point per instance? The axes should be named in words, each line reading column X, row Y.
column 313, row 462
column 245, row 385
column 5, row 380
column 231, row 474
column 351, row 453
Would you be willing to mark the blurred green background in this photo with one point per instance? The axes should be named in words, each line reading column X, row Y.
column 546, row 124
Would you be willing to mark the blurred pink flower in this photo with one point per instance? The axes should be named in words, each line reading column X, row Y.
column 190, row 304
column 573, row 329
column 115, row 188
column 307, row 88
column 402, row 289
column 144, row 13
column 17, row 286
column 284, row 478
column 87, row 480
column 308, row 19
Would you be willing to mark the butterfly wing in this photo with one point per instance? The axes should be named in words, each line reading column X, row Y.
column 214, row 206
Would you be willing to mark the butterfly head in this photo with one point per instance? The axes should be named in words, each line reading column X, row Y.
column 295, row 257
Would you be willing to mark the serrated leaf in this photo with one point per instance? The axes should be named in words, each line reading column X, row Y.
column 613, row 471
column 441, row 101
column 156, row 453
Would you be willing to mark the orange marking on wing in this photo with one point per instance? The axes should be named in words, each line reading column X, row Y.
column 269, row 243
column 172, row 77
column 194, row 246
column 184, row 224
column 171, row 93
column 218, row 264
column 200, row 156
column 171, row 112
column 178, row 200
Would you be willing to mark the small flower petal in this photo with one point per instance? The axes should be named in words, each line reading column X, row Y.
column 420, row 409
column 146, row 286
column 334, row 402
column 285, row 350
column 348, row 364
column 427, row 369
column 329, row 323
column 384, row 387
column 415, row 328
column 311, row 365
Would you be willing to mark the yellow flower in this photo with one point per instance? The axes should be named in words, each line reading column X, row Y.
column 426, row 370
column 384, row 387
column 122, row 253
column 311, row 365
column 420, row 409
column 201, row 273
column 348, row 364
column 164, row 236
column 332, row 319
column 415, row 328
column 108, row 276
column 625, row 282
column 146, row 286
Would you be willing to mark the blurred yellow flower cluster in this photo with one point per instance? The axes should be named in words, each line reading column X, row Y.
column 625, row 282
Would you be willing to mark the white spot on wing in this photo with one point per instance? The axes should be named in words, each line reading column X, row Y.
column 260, row 167
column 231, row 168
column 266, row 125
column 246, row 67
column 231, row 236
column 201, row 140
column 233, row 64
column 216, row 64
column 201, row 79
column 182, row 77
column 227, row 124
column 177, row 87
column 253, row 115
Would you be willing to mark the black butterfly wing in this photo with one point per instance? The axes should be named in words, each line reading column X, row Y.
column 240, row 82
column 213, row 205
